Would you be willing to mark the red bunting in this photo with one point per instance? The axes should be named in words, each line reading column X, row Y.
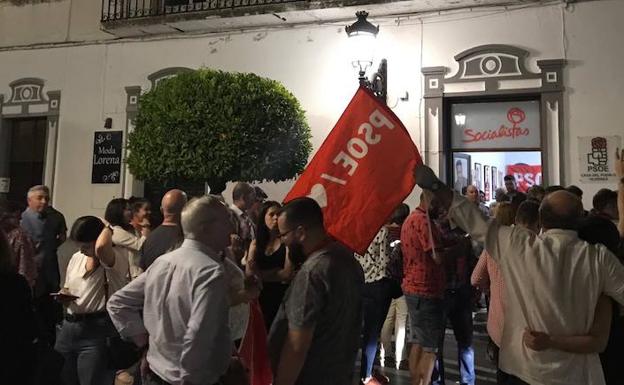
column 253, row 350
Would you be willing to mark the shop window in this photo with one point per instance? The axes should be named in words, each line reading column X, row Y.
column 492, row 139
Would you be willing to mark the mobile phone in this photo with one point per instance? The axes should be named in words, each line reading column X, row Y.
column 64, row 295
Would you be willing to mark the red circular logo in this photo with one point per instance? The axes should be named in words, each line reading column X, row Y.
column 516, row 115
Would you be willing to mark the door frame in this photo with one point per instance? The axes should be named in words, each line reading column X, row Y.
column 28, row 100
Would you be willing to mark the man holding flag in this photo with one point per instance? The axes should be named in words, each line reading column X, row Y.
column 315, row 336
column 358, row 175
column 348, row 190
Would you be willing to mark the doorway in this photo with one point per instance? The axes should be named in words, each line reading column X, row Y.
column 27, row 152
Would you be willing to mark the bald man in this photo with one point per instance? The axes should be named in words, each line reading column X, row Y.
column 553, row 282
column 168, row 235
column 472, row 194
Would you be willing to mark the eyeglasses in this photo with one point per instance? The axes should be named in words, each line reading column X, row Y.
column 282, row 235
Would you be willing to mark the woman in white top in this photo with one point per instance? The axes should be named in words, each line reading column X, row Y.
column 126, row 241
column 82, row 337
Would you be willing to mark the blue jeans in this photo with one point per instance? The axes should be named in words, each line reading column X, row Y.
column 458, row 309
column 83, row 346
column 376, row 298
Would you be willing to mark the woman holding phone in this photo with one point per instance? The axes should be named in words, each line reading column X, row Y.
column 89, row 281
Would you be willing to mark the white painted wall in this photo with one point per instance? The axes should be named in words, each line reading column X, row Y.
column 529, row 157
column 313, row 63
column 50, row 22
column 593, row 101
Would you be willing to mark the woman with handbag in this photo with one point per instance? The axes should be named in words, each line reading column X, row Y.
column 83, row 337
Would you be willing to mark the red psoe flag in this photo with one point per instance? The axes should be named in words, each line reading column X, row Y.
column 253, row 349
column 526, row 175
column 362, row 172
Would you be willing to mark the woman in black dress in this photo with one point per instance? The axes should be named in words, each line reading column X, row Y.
column 268, row 260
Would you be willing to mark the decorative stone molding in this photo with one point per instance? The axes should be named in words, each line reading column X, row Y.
column 132, row 98
column 27, row 98
column 494, row 69
column 491, row 61
column 28, row 90
column 166, row 73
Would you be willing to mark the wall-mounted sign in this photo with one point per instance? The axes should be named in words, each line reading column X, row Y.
column 597, row 158
column 495, row 125
column 462, row 171
column 5, row 185
column 107, row 147
column 526, row 175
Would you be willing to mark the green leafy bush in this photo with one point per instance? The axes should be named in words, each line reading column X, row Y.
column 217, row 126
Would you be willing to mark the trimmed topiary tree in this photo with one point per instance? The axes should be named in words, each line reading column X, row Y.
column 214, row 126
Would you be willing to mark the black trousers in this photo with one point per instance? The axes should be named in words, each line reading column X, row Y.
column 153, row 379
column 503, row 378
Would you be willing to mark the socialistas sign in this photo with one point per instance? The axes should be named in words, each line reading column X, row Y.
column 495, row 125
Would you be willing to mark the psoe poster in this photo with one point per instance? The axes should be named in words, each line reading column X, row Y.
column 597, row 158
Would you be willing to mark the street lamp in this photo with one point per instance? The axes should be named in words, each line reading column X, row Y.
column 362, row 36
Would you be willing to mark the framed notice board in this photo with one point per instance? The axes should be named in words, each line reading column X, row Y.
column 107, row 147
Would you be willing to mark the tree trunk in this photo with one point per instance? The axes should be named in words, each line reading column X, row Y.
column 217, row 186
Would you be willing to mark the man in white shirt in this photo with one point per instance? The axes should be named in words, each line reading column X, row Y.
column 553, row 281
column 183, row 298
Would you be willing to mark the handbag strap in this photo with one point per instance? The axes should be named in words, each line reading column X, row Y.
column 106, row 285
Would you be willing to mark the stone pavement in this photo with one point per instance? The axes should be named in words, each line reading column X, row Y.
column 485, row 370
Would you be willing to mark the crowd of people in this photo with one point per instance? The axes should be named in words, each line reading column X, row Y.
column 172, row 303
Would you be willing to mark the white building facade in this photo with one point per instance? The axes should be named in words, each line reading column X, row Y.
column 64, row 71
